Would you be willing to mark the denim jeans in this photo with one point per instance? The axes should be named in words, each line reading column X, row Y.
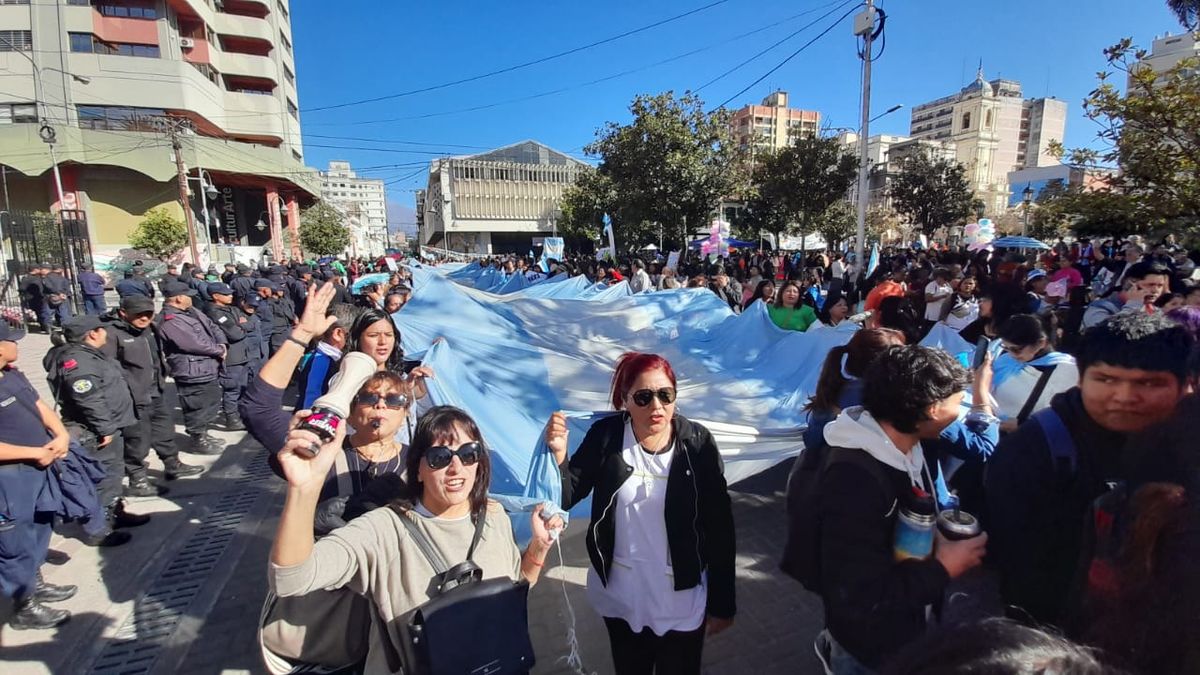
column 835, row 658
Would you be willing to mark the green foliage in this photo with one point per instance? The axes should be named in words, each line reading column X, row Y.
column 1152, row 132
column 1096, row 213
column 584, row 205
column 801, row 182
column 932, row 194
column 838, row 223
column 47, row 237
column 322, row 230
column 160, row 234
column 669, row 165
column 1187, row 11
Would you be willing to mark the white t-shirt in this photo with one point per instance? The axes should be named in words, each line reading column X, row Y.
column 933, row 310
column 641, row 583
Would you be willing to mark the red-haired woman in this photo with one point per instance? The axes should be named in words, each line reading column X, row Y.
column 661, row 537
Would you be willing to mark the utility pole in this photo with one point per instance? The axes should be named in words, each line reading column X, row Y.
column 184, row 201
column 864, row 26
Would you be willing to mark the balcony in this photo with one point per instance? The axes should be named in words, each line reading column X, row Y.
column 260, row 67
column 243, row 26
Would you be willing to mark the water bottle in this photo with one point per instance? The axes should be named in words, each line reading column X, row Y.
column 914, row 529
column 329, row 411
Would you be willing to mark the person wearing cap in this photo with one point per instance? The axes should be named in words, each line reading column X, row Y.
column 242, row 283
column 33, row 294
column 265, row 288
column 135, row 283
column 232, row 377
column 297, row 288
column 283, row 316
column 197, row 282
column 132, row 341
column 171, row 275
column 256, row 348
column 228, row 275
column 1035, row 290
column 94, row 398
column 194, row 348
column 57, row 291
column 92, row 287
column 32, row 438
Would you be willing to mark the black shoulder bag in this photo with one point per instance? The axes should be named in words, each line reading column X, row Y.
column 470, row 625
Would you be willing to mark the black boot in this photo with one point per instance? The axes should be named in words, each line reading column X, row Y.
column 122, row 519
column 140, row 486
column 204, row 444
column 233, row 422
column 174, row 468
column 51, row 593
column 109, row 537
column 33, row 615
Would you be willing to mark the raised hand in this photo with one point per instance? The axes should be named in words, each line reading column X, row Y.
column 314, row 322
column 302, row 471
column 557, row 435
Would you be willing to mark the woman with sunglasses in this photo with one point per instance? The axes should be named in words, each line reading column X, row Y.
column 447, row 475
column 661, row 537
column 1030, row 371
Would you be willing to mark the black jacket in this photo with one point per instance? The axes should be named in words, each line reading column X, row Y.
column 90, row 388
column 874, row 605
column 138, row 353
column 699, row 514
column 191, row 345
column 1036, row 511
column 230, row 321
column 135, row 285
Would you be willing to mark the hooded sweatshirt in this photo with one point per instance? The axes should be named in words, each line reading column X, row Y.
column 874, row 605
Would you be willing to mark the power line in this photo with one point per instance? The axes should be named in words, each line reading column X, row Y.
column 791, row 56
column 519, row 66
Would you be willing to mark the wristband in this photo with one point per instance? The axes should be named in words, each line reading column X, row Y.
column 293, row 338
column 535, row 562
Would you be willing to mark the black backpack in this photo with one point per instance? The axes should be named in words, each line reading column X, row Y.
column 802, row 551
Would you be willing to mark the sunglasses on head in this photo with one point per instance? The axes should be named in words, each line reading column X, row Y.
column 440, row 456
column 393, row 401
column 643, row 397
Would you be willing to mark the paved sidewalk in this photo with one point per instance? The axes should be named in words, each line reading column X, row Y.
column 184, row 596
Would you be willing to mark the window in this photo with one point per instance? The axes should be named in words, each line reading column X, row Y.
column 287, row 44
column 14, row 2
column 18, row 113
column 119, row 118
column 128, row 9
column 289, row 75
column 86, row 42
column 80, row 3
column 207, row 71
column 282, row 9
column 292, row 109
column 987, row 120
column 16, row 40
column 966, row 121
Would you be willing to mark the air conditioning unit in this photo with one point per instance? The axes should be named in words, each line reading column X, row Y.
column 187, row 43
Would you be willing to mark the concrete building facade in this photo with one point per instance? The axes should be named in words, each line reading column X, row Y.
column 363, row 202
column 885, row 152
column 995, row 130
column 497, row 201
column 1168, row 50
column 116, row 74
column 773, row 125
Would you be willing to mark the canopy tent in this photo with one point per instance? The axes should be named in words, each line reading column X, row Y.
column 1019, row 242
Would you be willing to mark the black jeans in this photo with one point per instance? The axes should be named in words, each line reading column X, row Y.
column 200, row 403
column 677, row 652
column 155, row 429
column 112, row 458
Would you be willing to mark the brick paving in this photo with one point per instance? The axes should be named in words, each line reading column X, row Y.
column 773, row 632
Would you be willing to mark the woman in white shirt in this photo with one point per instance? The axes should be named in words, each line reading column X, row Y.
column 964, row 306
column 661, row 538
column 1030, row 372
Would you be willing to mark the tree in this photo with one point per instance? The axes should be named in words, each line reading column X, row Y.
column 669, row 165
column 584, row 204
column 322, row 231
column 932, row 193
column 1093, row 213
column 1187, row 12
column 1152, row 132
column 799, row 183
column 837, row 224
column 880, row 220
column 159, row 233
column 1048, row 217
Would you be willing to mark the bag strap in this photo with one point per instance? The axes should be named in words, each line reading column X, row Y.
column 427, row 548
column 1036, row 394
column 477, row 536
column 1063, row 453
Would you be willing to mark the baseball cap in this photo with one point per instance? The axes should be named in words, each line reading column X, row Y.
column 219, row 288
column 266, row 283
column 252, row 300
column 77, row 327
column 1034, row 274
column 303, row 269
column 9, row 333
column 242, row 269
column 175, row 288
column 136, row 304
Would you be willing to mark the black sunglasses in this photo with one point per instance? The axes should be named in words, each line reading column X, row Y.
column 643, row 397
column 439, row 456
column 393, row 401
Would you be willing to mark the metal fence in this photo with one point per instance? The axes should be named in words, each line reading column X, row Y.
column 32, row 238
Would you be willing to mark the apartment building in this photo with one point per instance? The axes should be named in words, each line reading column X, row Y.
column 362, row 201
column 111, row 77
column 773, row 125
column 995, row 130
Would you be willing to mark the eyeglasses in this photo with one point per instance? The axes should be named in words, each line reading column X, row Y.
column 439, row 456
column 643, row 397
column 393, row 401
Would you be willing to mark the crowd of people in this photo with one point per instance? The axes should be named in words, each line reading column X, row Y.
column 1020, row 505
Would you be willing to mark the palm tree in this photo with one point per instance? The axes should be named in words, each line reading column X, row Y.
column 1187, row 11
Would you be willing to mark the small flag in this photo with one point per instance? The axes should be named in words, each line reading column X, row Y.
column 873, row 261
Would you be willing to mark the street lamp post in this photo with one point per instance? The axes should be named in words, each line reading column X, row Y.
column 1027, row 200
column 207, row 191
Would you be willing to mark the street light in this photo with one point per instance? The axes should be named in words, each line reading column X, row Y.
column 1027, row 200
column 207, row 191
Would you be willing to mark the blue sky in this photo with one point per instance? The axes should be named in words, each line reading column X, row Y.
column 358, row 49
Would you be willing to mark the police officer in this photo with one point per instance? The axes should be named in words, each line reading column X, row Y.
column 95, row 398
column 266, row 314
column 170, row 276
column 133, row 342
column 92, row 287
column 256, row 349
column 57, row 291
column 242, row 283
column 297, row 288
column 194, row 348
column 198, row 283
column 135, row 283
column 33, row 295
column 31, row 439
column 229, row 273
column 283, row 317
column 232, row 378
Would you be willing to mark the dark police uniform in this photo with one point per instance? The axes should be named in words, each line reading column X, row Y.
column 33, row 296
column 92, row 287
column 57, row 292
column 192, row 345
column 24, row 532
column 135, row 284
column 266, row 319
column 94, row 397
column 256, row 349
column 283, row 315
column 242, row 285
column 232, row 377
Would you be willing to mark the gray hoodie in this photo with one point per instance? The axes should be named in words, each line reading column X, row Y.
column 856, row 428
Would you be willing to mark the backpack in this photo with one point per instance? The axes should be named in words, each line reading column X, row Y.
column 802, row 550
